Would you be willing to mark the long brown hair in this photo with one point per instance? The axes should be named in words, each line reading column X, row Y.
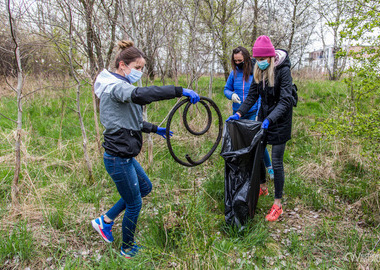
column 247, row 67
column 268, row 74
column 127, row 53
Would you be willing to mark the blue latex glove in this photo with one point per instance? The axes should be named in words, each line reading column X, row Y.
column 162, row 131
column 233, row 117
column 194, row 97
column 265, row 124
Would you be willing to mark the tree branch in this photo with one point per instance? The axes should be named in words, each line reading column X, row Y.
column 14, row 121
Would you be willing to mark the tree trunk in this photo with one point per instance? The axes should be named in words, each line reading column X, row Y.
column 20, row 83
column 294, row 19
column 113, row 34
column 212, row 50
column 139, row 83
column 255, row 21
column 84, row 135
column 225, row 55
column 95, row 106
column 87, row 5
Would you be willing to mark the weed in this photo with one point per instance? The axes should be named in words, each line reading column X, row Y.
column 16, row 244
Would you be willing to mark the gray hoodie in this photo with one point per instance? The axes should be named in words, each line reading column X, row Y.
column 121, row 111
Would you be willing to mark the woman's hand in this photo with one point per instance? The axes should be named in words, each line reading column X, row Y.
column 162, row 132
column 236, row 116
column 194, row 97
column 235, row 98
column 265, row 124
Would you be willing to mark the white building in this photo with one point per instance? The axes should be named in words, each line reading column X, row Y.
column 320, row 60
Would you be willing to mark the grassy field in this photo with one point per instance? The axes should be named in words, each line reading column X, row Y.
column 331, row 197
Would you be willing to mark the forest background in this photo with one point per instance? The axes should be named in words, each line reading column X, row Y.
column 53, row 181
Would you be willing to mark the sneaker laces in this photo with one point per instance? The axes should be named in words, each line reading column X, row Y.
column 274, row 211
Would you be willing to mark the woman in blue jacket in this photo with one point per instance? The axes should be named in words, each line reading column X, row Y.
column 121, row 115
column 237, row 88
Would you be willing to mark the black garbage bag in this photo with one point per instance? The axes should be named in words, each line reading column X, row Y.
column 242, row 149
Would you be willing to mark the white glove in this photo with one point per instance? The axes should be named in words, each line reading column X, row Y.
column 235, row 98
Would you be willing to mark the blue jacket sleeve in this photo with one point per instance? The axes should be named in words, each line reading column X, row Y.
column 229, row 87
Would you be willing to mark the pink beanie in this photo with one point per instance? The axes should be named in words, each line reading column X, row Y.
column 263, row 47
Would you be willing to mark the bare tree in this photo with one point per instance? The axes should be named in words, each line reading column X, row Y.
column 93, row 42
column 150, row 66
column 78, row 89
column 255, row 21
column 63, row 30
column 113, row 23
column 212, row 36
column 18, row 90
column 333, row 14
column 300, row 19
column 98, row 19
column 224, row 27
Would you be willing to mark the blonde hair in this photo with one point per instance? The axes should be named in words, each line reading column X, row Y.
column 262, row 75
column 127, row 52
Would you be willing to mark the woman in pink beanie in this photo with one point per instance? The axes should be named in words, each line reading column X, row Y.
column 273, row 82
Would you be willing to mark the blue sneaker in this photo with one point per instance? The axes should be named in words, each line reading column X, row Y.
column 104, row 229
column 271, row 173
column 130, row 252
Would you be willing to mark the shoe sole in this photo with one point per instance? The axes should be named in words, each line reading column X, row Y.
column 97, row 228
column 125, row 255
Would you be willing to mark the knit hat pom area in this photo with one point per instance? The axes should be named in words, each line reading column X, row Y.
column 263, row 47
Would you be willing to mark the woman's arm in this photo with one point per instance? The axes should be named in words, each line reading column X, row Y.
column 286, row 99
column 125, row 92
column 146, row 95
column 229, row 87
column 252, row 97
column 149, row 127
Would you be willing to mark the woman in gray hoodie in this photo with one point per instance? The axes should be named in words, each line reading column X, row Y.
column 122, row 116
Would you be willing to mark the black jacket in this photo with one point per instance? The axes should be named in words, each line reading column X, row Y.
column 276, row 103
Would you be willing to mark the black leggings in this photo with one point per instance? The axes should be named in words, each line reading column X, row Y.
column 278, row 169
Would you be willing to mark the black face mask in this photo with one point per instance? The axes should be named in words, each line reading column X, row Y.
column 240, row 65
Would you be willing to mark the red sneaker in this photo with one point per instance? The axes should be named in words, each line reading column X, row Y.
column 274, row 213
column 263, row 192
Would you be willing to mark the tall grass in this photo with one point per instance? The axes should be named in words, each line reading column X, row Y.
column 331, row 198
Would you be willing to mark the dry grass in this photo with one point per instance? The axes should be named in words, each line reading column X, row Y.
column 329, row 163
column 38, row 85
column 372, row 202
column 309, row 74
column 318, row 172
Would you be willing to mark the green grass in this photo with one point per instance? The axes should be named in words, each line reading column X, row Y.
column 17, row 243
column 331, row 194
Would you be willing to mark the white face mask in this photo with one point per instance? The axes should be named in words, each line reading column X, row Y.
column 134, row 76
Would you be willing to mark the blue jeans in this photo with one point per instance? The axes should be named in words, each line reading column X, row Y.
column 132, row 183
column 252, row 116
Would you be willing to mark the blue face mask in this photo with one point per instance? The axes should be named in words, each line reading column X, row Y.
column 263, row 65
column 134, row 76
